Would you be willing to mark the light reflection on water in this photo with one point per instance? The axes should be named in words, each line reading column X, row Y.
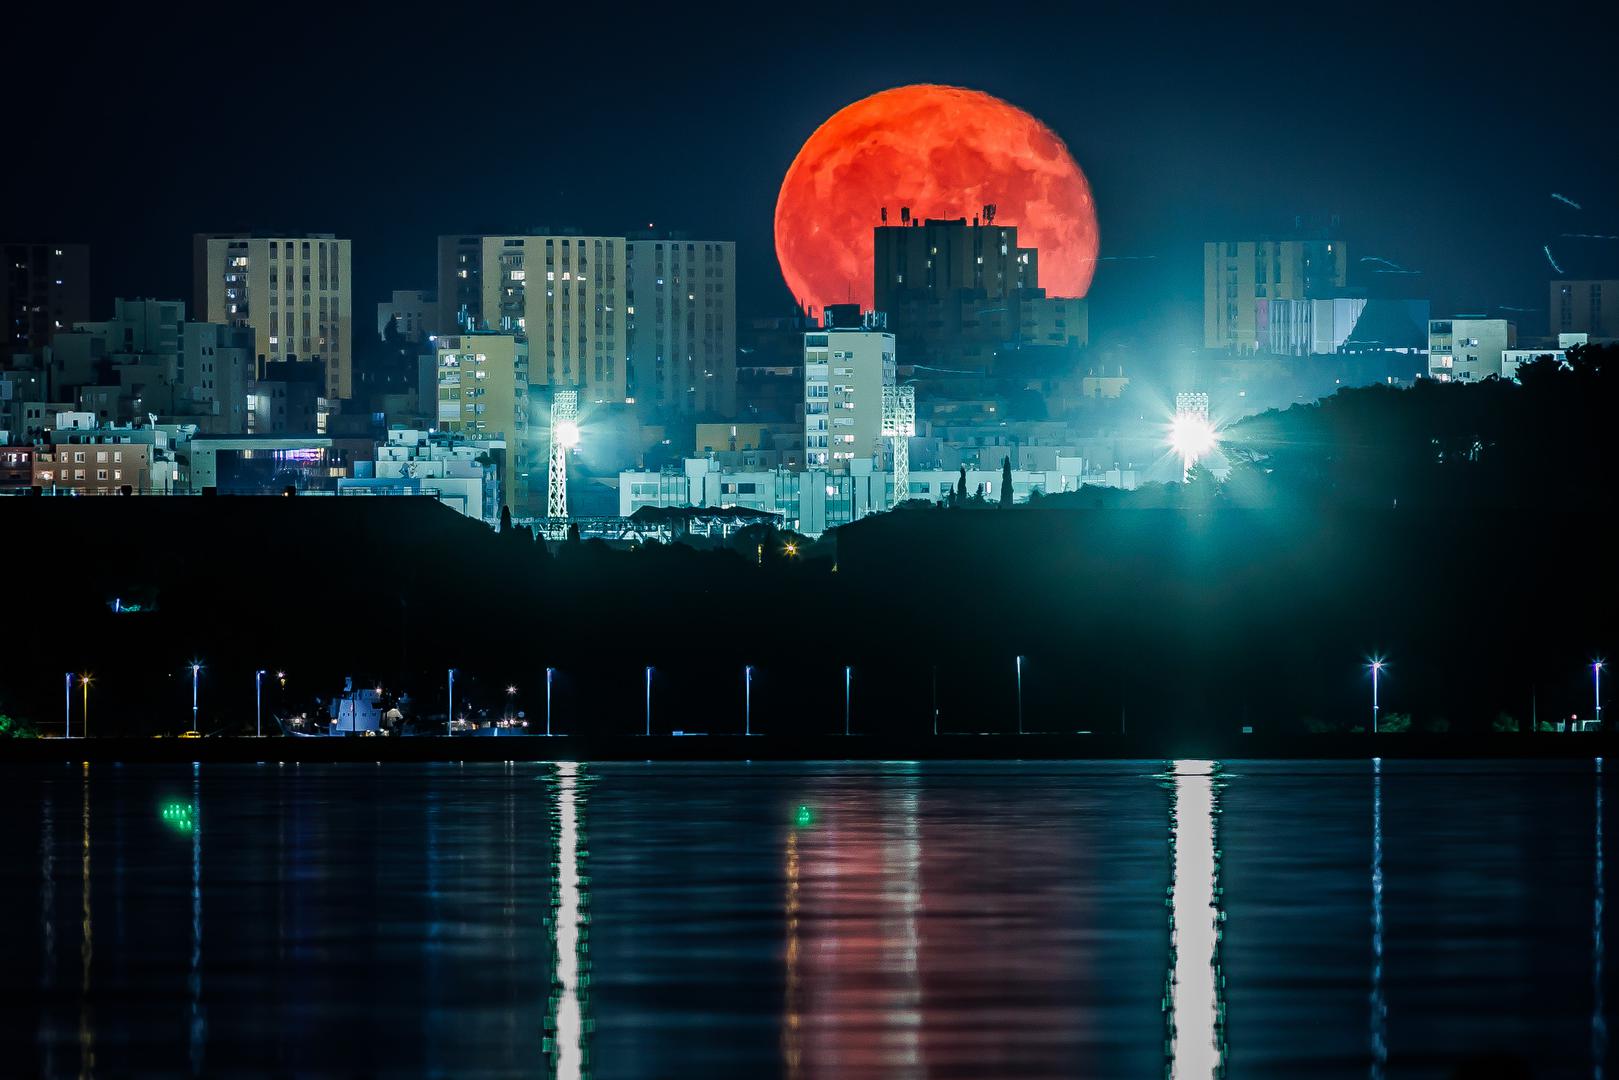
column 936, row 920
column 1195, row 925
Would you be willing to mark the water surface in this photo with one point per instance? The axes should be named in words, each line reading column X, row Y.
column 942, row 920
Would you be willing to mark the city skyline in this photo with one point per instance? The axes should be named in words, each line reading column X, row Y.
column 1184, row 135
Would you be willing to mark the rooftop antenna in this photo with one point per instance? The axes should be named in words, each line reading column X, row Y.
column 885, row 215
column 905, row 215
column 989, row 213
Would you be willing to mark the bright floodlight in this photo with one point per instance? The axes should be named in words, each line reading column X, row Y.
column 568, row 434
column 1191, row 436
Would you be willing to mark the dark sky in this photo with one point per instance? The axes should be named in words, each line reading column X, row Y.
column 1437, row 138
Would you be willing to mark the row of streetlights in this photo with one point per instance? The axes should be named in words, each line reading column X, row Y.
column 195, row 667
column 1377, row 664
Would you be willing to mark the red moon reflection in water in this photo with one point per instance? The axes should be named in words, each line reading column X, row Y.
column 944, row 152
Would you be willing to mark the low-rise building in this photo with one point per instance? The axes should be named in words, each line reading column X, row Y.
column 464, row 474
column 1468, row 350
column 1513, row 359
column 815, row 500
column 93, row 468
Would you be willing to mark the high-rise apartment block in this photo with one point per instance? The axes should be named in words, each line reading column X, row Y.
column 649, row 321
column 681, row 324
column 483, row 381
column 43, row 288
column 564, row 294
column 935, row 259
column 1239, row 277
column 295, row 292
column 1585, row 307
column 845, row 371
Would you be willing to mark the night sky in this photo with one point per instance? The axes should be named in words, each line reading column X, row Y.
column 1437, row 139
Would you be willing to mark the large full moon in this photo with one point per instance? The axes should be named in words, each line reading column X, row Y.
column 944, row 152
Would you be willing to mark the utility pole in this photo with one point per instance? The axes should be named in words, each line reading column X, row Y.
column 449, row 714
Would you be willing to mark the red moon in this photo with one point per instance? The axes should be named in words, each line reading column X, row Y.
column 945, row 152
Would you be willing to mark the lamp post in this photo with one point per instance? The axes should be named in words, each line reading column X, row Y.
column 1377, row 666
column 84, row 684
column 449, row 712
column 1020, row 695
column 196, row 671
column 258, row 703
column 649, row 699
column 549, row 672
column 511, row 693
column 67, row 711
column 848, row 677
column 747, row 700
column 1596, row 672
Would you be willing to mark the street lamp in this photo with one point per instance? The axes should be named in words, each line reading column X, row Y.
column 848, row 677
column 449, row 712
column 649, row 699
column 549, row 674
column 84, row 682
column 67, row 712
column 196, row 671
column 1377, row 664
column 1596, row 672
column 747, row 700
column 1020, row 695
column 511, row 692
column 258, row 703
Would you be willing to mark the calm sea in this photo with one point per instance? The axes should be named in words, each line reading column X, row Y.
column 1128, row 919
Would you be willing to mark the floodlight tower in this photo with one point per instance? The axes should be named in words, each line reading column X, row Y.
column 899, row 424
column 1191, row 434
column 564, row 437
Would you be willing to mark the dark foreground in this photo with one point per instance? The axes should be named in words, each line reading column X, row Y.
column 627, row 920
column 985, row 747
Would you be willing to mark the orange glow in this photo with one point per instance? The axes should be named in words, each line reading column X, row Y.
column 944, row 152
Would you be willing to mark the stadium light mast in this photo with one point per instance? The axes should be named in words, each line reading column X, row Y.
column 899, row 424
column 1191, row 435
column 564, row 437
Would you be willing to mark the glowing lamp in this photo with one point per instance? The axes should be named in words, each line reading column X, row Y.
column 1191, row 436
column 568, row 434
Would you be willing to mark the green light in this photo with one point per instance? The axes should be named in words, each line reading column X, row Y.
column 803, row 817
column 178, row 816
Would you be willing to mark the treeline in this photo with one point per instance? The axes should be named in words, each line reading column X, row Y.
column 1459, row 530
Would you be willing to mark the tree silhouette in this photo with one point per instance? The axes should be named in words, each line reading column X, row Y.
column 1006, row 482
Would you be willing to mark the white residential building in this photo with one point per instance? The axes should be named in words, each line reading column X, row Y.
column 1512, row 359
column 464, row 474
column 1468, row 350
column 845, row 371
column 819, row 499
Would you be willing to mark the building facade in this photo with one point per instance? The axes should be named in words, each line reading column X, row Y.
column 1513, row 359
column 43, row 288
column 1468, row 350
column 845, row 371
column 814, row 500
column 564, row 294
column 1238, row 275
column 295, row 292
column 935, row 259
column 1585, row 307
column 680, row 326
column 98, row 468
column 415, row 312
column 483, row 393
